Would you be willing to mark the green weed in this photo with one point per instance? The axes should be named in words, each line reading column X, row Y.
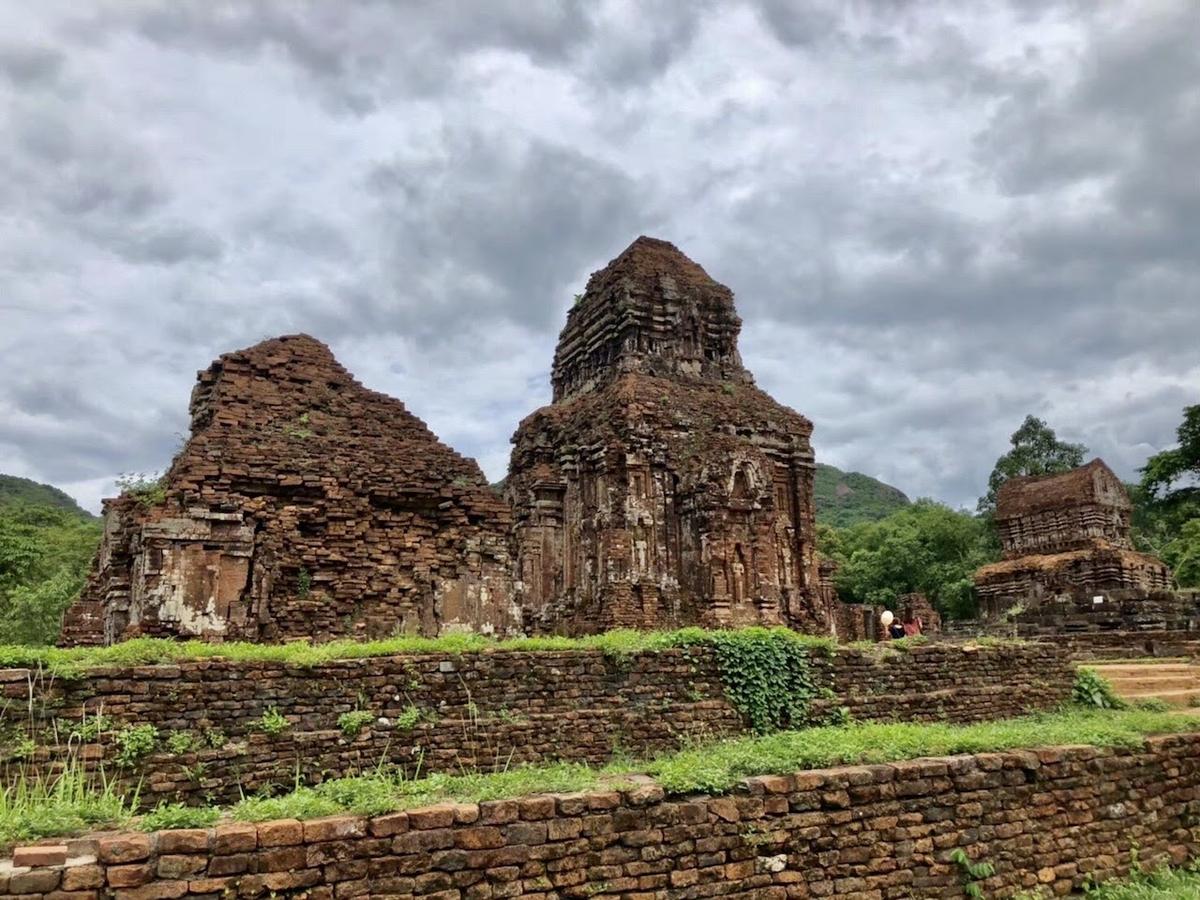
column 176, row 815
column 351, row 723
column 1092, row 689
column 273, row 722
column 134, row 742
column 33, row 807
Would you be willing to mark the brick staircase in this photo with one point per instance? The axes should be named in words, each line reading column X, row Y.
column 1175, row 683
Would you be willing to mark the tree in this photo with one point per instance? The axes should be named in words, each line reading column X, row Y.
column 1163, row 472
column 44, row 556
column 1183, row 555
column 1036, row 450
column 926, row 548
column 1166, row 504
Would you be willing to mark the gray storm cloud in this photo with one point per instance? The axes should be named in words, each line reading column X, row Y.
column 936, row 217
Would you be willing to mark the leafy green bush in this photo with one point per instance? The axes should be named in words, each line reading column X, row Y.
column 176, row 815
column 351, row 723
column 180, row 742
column 135, row 742
column 273, row 722
column 1092, row 689
column 971, row 872
column 91, row 727
column 408, row 719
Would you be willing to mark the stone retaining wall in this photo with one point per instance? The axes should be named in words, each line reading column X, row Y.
column 1047, row 818
column 480, row 709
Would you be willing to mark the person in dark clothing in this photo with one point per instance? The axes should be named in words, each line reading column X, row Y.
column 896, row 629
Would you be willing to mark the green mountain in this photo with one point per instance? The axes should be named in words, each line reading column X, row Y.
column 14, row 490
column 847, row 498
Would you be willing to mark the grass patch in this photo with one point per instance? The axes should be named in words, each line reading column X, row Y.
column 718, row 767
column 386, row 791
column 30, row 809
column 176, row 815
column 33, row 806
column 73, row 661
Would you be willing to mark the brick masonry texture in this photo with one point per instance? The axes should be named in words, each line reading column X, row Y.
column 484, row 709
column 1066, row 535
column 302, row 505
column 1044, row 818
column 661, row 487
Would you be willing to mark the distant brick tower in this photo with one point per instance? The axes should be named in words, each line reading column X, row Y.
column 661, row 487
column 1066, row 535
column 302, row 505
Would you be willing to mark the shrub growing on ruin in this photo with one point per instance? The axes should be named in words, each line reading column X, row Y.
column 1092, row 689
column 135, row 742
column 353, row 722
column 767, row 675
column 273, row 722
column 408, row 719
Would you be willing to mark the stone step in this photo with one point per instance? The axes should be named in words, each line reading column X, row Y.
column 1188, row 698
column 1176, row 684
column 1151, row 685
column 1117, row 670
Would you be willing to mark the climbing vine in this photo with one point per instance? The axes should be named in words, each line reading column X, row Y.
column 767, row 674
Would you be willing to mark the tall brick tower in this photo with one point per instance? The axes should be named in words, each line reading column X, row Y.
column 661, row 487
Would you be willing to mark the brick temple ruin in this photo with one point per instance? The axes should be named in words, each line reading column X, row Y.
column 302, row 505
column 660, row 488
column 1066, row 542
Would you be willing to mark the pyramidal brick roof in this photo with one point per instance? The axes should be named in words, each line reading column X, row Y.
column 653, row 311
column 1093, row 482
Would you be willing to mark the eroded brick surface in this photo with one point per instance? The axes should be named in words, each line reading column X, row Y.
column 661, row 487
column 477, row 710
column 302, row 505
column 1066, row 540
column 1054, row 817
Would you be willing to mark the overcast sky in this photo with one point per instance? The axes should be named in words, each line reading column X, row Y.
column 936, row 218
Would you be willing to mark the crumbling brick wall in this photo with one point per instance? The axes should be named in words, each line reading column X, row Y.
column 1047, row 819
column 302, row 505
column 482, row 710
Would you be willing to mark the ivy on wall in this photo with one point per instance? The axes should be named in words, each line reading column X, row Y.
column 768, row 674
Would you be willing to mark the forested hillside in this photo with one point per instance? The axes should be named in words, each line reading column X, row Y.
column 23, row 490
column 46, row 544
column 848, row 498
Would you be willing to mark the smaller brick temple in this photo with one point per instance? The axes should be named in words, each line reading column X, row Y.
column 661, row 487
column 1066, row 537
column 302, row 505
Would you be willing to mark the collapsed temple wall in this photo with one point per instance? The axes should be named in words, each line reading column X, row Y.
column 661, row 488
column 301, row 505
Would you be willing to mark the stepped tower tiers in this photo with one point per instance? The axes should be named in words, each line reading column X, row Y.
column 302, row 505
column 1066, row 535
column 661, row 487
